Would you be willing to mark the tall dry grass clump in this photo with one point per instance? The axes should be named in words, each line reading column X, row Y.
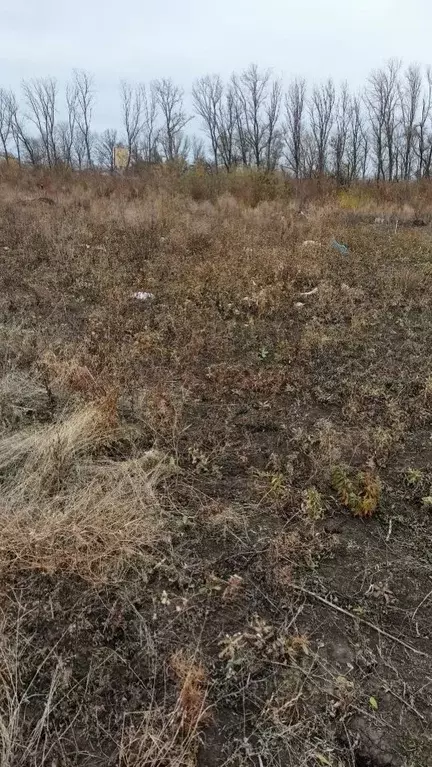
column 170, row 735
column 67, row 506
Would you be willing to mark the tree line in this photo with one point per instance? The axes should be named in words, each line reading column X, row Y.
column 384, row 131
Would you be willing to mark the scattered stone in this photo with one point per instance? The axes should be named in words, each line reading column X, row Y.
column 143, row 295
column 311, row 244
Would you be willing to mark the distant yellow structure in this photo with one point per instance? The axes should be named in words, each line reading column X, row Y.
column 120, row 157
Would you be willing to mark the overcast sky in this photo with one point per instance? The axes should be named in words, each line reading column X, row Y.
column 142, row 40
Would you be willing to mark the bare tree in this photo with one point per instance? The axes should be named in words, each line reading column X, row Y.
column 274, row 143
column 340, row 137
column 185, row 149
column 170, row 100
column 150, row 132
column 85, row 98
column 66, row 128
column 80, row 151
column 409, row 97
column 309, row 155
column 322, row 115
column 257, row 102
column 207, row 94
column 242, row 135
column 375, row 102
column 365, row 145
column 41, row 101
column 32, row 149
column 381, row 97
column 198, row 151
column 356, row 141
column 391, row 114
column 132, row 107
column 227, row 129
column 385, row 132
column 251, row 91
column 64, row 143
column 28, row 148
column 105, row 146
column 14, row 123
column 422, row 139
column 294, row 126
column 5, row 122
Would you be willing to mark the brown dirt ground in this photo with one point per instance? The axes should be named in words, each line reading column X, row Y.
column 255, row 400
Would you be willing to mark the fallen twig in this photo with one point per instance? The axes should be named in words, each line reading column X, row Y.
column 354, row 617
column 389, row 530
column 405, row 703
column 421, row 603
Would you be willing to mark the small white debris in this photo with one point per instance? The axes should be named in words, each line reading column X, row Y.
column 6, row 248
column 379, row 220
column 311, row 244
column 298, row 304
column 142, row 295
column 310, row 292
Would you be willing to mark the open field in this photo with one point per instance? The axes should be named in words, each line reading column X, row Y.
column 216, row 508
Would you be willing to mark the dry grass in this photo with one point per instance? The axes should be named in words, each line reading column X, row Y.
column 167, row 471
column 17, row 744
column 160, row 736
column 41, row 453
column 66, row 508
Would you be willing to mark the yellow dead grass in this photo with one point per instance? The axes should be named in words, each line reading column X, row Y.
column 67, row 508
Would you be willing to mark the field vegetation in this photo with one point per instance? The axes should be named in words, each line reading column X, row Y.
column 215, row 467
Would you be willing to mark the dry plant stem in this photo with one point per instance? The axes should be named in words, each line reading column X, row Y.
column 421, row 603
column 405, row 703
column 353, row 617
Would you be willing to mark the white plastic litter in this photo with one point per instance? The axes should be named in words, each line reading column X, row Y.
column 142, row 295
column 310, row 243
column 299, row 304
column 310, row 292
